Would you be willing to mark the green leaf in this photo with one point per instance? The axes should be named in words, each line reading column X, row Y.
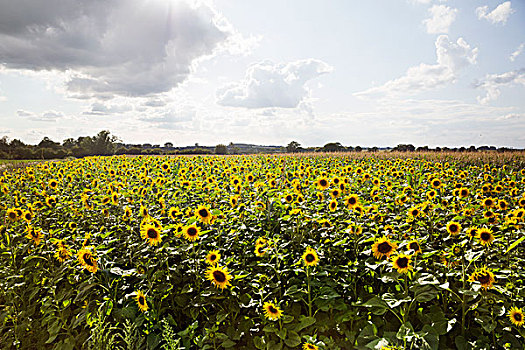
column 515, row 244
column 304, row 322
column 259, row 343
column 228, row 343
column 292, row 340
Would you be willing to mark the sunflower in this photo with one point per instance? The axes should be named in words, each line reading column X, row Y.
column 488, row 202
column 151, row 232
column 234, row 201
column 87, row 260
column 402, row 263
column 485, row 236
column 141, row 301
column 203, row 214
column 191, row 233
column 53, row 184
column 260, row 250
column 12, row 214
column 453, row 228
column 415, row 246
column 333, row 205
column 309, row 346
column 431, row 194
column 484, row 276
column 127, row 213
column 27, row 216
column 351, row 201
column 310, row 257
column 322, row 183
column 521, row 202
column 516, row 316
column 213, row 257
column 414, row 212
column 219, row 276
column 335, row 193
column 34, row 234
column 383, row 247
column 472, row 232
column 436, row 183
column 62, row 254
column 272, row 311
column 502, row 204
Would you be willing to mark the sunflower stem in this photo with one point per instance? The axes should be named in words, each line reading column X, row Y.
column 463, row 298
column 309, row 296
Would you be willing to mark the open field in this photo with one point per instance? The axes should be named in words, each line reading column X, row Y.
column 303, row 251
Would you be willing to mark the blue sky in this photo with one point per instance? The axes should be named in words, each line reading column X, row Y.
column 369, row 73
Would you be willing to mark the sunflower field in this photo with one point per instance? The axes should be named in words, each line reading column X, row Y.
column 264, row 252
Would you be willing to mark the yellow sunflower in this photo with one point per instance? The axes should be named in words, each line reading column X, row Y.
column 322, row 183
column 260, row 250
column 453, row 228
column 141, row 301
column 351, row 201
column 488, row 202
column 516, row 316
column 272, row 311
column 402, row 262
column 484, row 276
column 415, row 246
column 34, row 234
column 383, row 247
column 87, row 260
column 213, row 257
column 151, row 233
column 62, row 254
column 203, row 214
column 28, row 216
column 310, row 257
column 309, row 346
column 332, row 205
column 485, row 236
column 191, row 233
column 219, row 276
column 12, row 214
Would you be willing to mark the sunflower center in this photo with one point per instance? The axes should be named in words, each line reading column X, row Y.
column 219, row 276
column 352, row 200
column 141, row 300
column 453, row 228
column 152, row 233
column 322, row 183
column 272, row 309
column 88, row 259
column 213, row 257
column 203, row 213
column 485, row 236
column 414, row 246
column 309, row 258
column 518, row 317
column 384, row 247
column 402, row 263
column 192, row 231
column 12, row 215
column 484, row 279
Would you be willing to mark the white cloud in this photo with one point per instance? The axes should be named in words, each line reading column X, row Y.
column 441, row 18
column 516, row 53
column 273, row 85
column 48, row 116
column 499, row 15
column 119, row 47
column 492, row 84
column 98, row 108
column 451, row 58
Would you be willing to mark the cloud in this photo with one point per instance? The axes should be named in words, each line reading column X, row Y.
column 267, row 84
column 492, row 83
column 452, row 57
column 499, row 15
column 98, row 108
column 48, row 116
column 441, row 18
column 107, row 48
column 516, row 53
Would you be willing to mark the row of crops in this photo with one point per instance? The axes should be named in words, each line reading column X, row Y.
column 263, row 252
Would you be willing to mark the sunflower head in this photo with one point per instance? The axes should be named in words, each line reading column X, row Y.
column 485, row 236
column 151, row 232
column 191, row 232
column 310, row 257
column 516, row 316
column 322, row 183
column 272, row 311
column 402, row 262
column 219, row 276
column 86, row 259
column 309, row 346
column 203, row 214
column 213, row 257
column 383, row 247
column 484, row 276
column 453, row 228
column 141, row 301
column 415, row 246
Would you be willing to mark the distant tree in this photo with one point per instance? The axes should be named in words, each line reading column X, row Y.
column 358, row 148
column 103, row 143
column 293, row 147
column 69, row 143
column 168, row 145
column 333, row 147
column 373, row 149
column 221, row 149
column 48, row 143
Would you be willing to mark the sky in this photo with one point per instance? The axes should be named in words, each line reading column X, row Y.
column 368, row 73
